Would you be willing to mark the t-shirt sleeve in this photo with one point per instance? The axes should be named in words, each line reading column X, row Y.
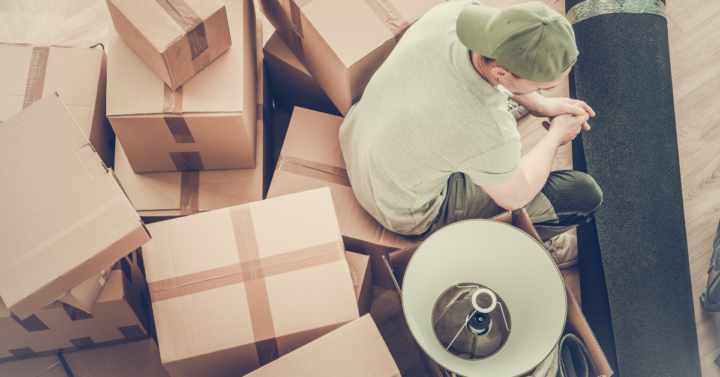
column 495, row 166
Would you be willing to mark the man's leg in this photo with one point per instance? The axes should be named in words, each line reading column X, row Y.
column 573, row 196
column 568, row 199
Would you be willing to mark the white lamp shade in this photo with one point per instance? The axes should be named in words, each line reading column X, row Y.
column 509, row 262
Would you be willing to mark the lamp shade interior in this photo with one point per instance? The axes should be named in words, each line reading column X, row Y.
column 506, row 261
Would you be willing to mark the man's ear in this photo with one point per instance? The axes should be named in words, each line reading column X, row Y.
column 499, row 71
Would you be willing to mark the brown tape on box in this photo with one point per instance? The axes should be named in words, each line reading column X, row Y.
column 189, row 189
column 252, row 271
column 189, row 21
column 312, row 169
column 316, row 165
column 384, row 10
column 36, row 75
column 172, row 100
column 185, row 161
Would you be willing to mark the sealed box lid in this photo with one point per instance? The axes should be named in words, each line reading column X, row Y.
column 176, row 38
column 133, row 87
column 64, row 216
column 354, row 350
column 264, row 278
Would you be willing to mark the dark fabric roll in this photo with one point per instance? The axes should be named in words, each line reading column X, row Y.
column 634, row 268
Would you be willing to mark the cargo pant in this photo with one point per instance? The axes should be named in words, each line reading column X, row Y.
column 568, row 199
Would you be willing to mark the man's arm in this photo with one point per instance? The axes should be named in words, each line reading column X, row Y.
column 534, row 168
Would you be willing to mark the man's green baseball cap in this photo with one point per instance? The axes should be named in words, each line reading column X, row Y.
column 530, row 40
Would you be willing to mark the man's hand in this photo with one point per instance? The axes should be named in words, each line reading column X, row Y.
column 564, row 128
column 552, row 107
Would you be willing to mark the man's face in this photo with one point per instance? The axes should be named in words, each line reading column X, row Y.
column 519, row 86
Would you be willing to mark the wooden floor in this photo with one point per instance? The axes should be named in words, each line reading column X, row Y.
column 694, row 34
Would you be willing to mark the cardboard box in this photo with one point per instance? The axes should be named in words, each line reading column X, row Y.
column 162, row 196
column 263, row 278
column 64, row 216
column 79, row 75
column 118, row 316
column 175, row 38
column 292, row 85
column 84, row 295
column 343, row 43
column 207, row 124
column 398, row 261
column 362, row 280
column 136, row 359
column 311, row 158
column 354, row 350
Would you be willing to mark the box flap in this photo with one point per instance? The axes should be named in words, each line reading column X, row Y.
column 14, row 67
column 275, row 46
column 354, row 350
column 50, row 168
column 134, row 88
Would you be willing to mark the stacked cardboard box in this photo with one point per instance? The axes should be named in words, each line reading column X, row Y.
column 120, row 315
column 174, row 38
column 311, row 158
column 207, row 124
column 235, row 288
column 164, row 195
column 64, row 216
column 78, row 75
column 342, row 45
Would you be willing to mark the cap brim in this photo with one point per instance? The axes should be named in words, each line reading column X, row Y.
column 471, row 25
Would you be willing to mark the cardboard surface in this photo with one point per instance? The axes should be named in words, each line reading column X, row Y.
column 159, row 196
column 354, row 350
column 264, row 278
column 175, row 38
column 207, row 124
column 575, row 323
column 84, row 295
column 118, row 316
column 343, row 44
column 361, row 275
column 79, row 75
column 64, row 216
column 311, row 158
column 292, row 85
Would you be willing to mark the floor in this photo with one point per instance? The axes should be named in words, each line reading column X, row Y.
column 694, row 35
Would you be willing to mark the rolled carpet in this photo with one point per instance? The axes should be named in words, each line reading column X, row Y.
column 634, row 269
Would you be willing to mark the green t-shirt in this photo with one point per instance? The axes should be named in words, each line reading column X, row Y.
column 425, row 114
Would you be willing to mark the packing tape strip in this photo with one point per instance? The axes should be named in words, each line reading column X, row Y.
column 187, row 161
column 312, row 173
column 36, row 75
column 172, row 100
column 591, row 8
column 255, row 286
column 278, row 264
column 389, row 15
column 189, row 193
column 190, row 22
column 315, row 165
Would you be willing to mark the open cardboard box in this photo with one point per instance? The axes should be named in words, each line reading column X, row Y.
column 398, row 261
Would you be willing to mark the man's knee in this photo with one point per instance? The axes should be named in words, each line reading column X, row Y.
column 588, row 191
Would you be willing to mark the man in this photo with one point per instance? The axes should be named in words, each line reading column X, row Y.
column 431, row 142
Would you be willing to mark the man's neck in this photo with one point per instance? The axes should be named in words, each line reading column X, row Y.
column 483, row 69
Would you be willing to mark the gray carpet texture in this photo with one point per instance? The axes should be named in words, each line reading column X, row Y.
column 634, row 269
